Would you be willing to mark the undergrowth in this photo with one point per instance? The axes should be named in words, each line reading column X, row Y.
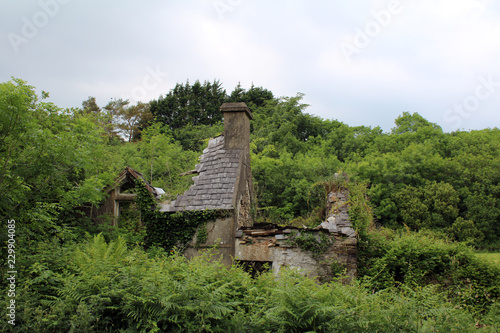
column 390, row 259
column 101, row 286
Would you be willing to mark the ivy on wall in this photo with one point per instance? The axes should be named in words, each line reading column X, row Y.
column 202, row 236
column 308, row 241
column 169, row 230
column 360, row 210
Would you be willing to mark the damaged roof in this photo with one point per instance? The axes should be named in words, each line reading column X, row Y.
column 214, row 186
column 129, row 172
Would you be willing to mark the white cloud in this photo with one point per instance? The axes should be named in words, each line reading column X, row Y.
column 426, row 59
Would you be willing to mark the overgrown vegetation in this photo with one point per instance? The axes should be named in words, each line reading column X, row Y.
column 308, row 241
column 169, row 230
column 106, row 287
column 414, row 193
column 393, row 259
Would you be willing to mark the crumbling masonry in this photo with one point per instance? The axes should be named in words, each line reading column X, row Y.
column 224, row 181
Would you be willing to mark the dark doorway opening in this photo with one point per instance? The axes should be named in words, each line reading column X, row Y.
column 255, row 268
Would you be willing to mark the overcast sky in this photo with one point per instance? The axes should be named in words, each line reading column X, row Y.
column 361, row 62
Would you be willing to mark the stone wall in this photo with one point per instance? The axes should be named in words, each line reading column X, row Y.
column 337, row 220
column 220, row 235
column 274, row 244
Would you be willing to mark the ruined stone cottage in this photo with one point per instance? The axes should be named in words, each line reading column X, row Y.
column 224, row 181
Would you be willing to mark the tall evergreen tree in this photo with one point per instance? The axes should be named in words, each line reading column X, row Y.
column 186, row 104
column 253, row 97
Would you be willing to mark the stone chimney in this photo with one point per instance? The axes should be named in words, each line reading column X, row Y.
column 237, row 118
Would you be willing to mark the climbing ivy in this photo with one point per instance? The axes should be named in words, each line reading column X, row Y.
column 202, row 234
column 360, row 210
column 309, row 242
column 169, row 230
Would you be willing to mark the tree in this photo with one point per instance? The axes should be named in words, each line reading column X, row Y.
column 410, row 123
column 197, row 104
column 51, row 161
column 103, row 118
column 253, row 97
column 128, row 118
column 90, row 106
column 160, row 159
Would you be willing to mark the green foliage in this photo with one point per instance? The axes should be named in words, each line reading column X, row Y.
column 412, row 123
column 283, row 180
column 169, row 230
column 197, row 104
column 195, row 137
column 107, row 287
column 433, row 205
column 360, row 210
column 493, row 258
column 193, row 111
column 297, row 304
column 54, row 160
column 160, row 159
column 129, row 119
column 418, row 259
column 416, row 175
column 130, row 224
column 423, row 178
column 253, row 97
column 466, row 231
column 308, row 241
column 51, row 161
column 338, row 269
column 202, row 234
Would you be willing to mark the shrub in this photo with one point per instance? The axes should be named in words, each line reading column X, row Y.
column 107, row 287
column 417, row 259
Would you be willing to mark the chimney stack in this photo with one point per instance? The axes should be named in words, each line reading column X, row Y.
column 237, row 118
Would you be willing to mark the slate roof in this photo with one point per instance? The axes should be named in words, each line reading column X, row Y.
column 213, row 188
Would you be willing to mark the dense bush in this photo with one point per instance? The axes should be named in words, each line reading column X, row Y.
column 391, row 259
column 106, row 287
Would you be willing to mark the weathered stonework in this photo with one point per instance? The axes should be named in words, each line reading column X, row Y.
column 338, row 218
column 219, row 233
column 271, row 243
column 244, row 218
column 224, row 181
